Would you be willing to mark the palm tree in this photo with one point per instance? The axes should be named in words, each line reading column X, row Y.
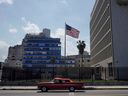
column 81, row 46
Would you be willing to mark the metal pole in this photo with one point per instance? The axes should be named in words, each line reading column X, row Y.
column 65, row 51
column 65, row 43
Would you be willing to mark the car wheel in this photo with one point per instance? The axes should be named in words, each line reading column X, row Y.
column 72, row 89
column 44, row 89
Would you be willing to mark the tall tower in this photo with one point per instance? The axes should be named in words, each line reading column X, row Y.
column 108, row 38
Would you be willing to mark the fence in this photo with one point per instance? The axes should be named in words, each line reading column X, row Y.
column 78, row 73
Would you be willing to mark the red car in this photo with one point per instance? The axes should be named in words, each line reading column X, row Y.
column 61, row 84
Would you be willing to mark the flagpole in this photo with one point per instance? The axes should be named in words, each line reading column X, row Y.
column 65, row 43
column 65, row 51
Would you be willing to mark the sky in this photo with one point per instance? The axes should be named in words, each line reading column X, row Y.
column 19, row 17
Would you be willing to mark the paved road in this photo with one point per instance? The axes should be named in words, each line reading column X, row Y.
column 86, row 87
column 64, row 93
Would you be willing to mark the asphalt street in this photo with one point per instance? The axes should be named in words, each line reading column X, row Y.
column 64, row 93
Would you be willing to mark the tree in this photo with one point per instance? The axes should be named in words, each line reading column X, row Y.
column 81, row 46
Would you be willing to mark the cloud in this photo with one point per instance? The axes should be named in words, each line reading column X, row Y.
column 59, row 33
column 30, row 27
column 13, row 30
column 19, row 42
column 3, row 50
column 10, row 2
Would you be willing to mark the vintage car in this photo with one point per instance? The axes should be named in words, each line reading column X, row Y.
column 60, row 84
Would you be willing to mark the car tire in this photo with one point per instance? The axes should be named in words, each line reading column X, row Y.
column 72, row 89
column 44, row 89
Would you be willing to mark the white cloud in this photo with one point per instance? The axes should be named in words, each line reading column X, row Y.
column 19, row 42
column 3, row 50
column 30, row 27
column 59, row 33
column 13, row 30
column 10, row 2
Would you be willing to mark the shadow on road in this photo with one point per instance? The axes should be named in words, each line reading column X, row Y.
column 62, row 91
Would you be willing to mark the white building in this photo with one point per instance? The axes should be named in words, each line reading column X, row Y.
column 109, row 38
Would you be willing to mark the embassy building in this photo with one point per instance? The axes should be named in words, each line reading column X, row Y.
column 109, row 39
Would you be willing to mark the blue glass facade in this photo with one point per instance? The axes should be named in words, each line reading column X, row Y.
column 38, row 51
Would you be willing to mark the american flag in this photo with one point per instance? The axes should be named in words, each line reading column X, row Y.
column 72, row 31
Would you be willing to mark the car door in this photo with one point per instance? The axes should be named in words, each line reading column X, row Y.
column 58, row 84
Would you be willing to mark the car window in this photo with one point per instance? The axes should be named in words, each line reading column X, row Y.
column 65, row 81
column 57, row 81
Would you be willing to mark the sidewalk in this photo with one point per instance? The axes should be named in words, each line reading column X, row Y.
column 86, row 87
column 18, row 87
column 106, row 87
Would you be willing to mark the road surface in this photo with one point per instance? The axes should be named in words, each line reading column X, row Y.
column 64, row 93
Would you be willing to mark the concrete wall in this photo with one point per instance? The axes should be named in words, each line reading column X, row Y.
column 104, row 69
column 120, row 38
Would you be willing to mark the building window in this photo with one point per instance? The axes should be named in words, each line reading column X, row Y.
column 0, row 66
column 110, row 69
column 97, row 70
column 88, row 60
